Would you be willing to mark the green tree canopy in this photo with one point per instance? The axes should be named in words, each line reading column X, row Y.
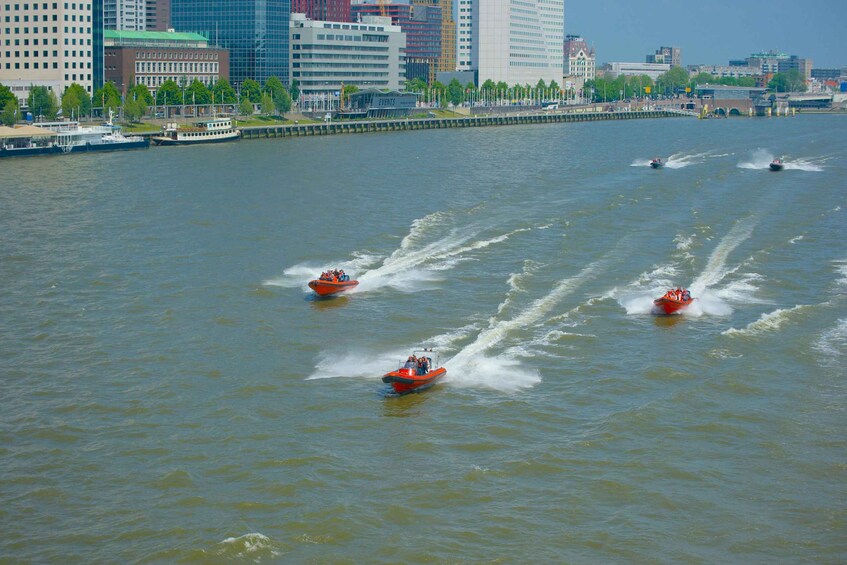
column 455, row 92
column 789, row 81
column 554, row 86
column 42, row 102
column 9, row 116
column 251, row 91
column 416, row 84
column 6, row 95
column 197, row 93
column 294, row 90
column 169, row 94
column 541, row 84
column 488, row 85
column 75, row 101
column 140, row 92
column 134, row 110
column 245, row 108
column 223, row 93
column 107, row 97
column 675, row 79
column 138, row 99
column 703, row 78
column 268, row 107
column 281, row 98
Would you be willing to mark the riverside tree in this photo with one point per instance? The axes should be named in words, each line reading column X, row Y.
column 75, row 101
column 268, row 107
column 455, row 92
column 250, row 90
column 223, row 93
column 168, row 94
column 294, row 90
column 245, row 108
column 279, row 94
column 9, row 115
column 137, row 100
column 198, row 93
column 107, row 97
column 42, row 102
column 789, row 81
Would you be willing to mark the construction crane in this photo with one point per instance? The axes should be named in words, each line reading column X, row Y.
column 383, row 7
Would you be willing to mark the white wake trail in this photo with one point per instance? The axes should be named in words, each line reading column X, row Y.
column 714, row 271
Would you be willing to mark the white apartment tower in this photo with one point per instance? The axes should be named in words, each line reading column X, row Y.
column 514, row 41
column 51, row 44
column 129, row 15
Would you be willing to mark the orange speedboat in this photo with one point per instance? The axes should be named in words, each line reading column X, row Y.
column 416, row 374
column 673, row 301
column 332, row 282
column 325, row 288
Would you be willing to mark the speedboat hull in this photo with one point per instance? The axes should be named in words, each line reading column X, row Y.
column 657, row 164
column 667, row 305
column 776, row 166
column 327, row 288
column 406, row 380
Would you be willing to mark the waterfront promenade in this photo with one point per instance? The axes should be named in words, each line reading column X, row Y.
column 404, row 124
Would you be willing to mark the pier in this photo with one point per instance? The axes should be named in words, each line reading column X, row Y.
column 403, row 124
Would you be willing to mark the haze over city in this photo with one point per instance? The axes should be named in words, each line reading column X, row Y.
column 627, row 30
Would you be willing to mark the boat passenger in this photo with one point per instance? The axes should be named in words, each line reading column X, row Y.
column 411, row 362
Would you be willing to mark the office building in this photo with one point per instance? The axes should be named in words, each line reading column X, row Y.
column 447, row 60
column 326, row 56
column 324, row 10
column 255, row 32
column 153, row 57
column 666, row 55
column 795, row 63
column 512, row 41
column 652, row 70
column 51, row 44
column 422, row 25
column 125, row 14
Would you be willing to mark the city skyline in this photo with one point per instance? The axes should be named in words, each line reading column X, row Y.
column 628, row 31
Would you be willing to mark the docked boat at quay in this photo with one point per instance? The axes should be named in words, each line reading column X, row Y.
column 47, row 138
column 215, row 130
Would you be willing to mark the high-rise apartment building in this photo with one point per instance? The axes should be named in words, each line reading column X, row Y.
column 254, row 31
column 422, row 25
column 52, row 44
column 666, row 55
column 447, row 60
column 513, row 41
column 158, row 15
column 130, row 15
column 324, row 10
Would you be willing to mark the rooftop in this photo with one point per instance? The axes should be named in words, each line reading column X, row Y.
column 151, row 36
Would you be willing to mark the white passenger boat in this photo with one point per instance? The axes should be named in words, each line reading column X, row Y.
column 215, row 130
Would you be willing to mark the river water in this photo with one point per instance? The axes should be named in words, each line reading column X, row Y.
column 171, row 392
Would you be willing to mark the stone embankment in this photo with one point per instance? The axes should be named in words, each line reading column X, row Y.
column 373, row 126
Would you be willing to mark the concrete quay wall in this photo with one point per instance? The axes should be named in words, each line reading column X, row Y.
column 341, row 127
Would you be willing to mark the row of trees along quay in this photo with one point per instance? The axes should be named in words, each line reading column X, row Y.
column 274, row 98
column 678, row 81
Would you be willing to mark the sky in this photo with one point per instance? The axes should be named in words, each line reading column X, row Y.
column 712, row 32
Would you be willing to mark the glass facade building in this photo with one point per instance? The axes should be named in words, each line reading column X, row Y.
column 254, row 31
